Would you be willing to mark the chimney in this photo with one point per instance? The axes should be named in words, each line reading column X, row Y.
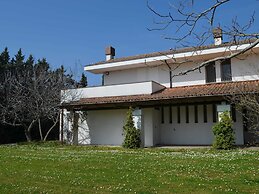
column 110, row 53
column 217, row 34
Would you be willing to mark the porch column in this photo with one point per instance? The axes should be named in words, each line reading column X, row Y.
column 62, row 126
column 148, row 127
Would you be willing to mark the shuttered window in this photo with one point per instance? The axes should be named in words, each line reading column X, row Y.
column 226, row 74
column 210, row 72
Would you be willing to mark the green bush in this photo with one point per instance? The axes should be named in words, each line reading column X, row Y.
column 223, row 132
column 131, row 133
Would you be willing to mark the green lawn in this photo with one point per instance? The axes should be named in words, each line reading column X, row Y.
column 69, row 169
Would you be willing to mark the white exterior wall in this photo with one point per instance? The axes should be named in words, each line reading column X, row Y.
column 158, row 74
column 151, row 127
column 238, row 129
column 105, row 127
column 148, row 126
column 193, row 133
column 147, row 87
column 82, row 135
column 102, row 127
column 246, row 68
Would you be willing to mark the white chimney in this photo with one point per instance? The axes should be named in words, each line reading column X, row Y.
column 217, row 34
column 110, row 53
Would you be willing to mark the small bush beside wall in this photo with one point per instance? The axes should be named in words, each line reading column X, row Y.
column 223, row 132
column 131, row 133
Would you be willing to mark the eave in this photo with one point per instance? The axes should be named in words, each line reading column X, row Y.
column 202, row 94
column 158, row 58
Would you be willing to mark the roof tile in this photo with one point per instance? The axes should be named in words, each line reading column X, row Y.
column 184, row 92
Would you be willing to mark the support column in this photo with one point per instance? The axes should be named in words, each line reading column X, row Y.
column 148, row 127
column 75, row 127
column 62, row 126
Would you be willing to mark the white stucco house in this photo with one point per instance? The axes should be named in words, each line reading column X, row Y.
column 169, row 110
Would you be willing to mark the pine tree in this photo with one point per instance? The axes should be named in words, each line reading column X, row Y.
column 4, row 58
column 27, row 71
column 83, row 81
column 4, row 63
column 131, row 133
column 19, row 59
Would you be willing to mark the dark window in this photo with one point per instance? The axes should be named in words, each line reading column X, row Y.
column 196, row 114
column 178, row 115
column 214, row 113
column 170, row 114
column 233, row 112
column 226, row 74
column 187, row 113
column 162, row 115
column 210, row 72
column 205, row 117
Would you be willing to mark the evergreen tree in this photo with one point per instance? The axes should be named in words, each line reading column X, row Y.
column 224, row 134
column 19, row 59
column 4, row 58
column 30, row 93
column 131, row 133
column 28, row 67
column 4, row 63
column 83, row 81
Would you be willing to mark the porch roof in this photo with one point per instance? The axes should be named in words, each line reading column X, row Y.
column 186, row 94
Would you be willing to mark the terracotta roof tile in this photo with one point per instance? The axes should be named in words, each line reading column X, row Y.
column 184, row 92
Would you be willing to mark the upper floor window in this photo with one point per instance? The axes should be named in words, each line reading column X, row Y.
column 210, row 72
column 226, row 74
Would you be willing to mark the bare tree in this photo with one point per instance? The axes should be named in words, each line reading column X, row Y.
column 31, row 94
column 191, row 24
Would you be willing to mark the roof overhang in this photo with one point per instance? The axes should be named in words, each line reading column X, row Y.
column 202, row 94
column 194, row 55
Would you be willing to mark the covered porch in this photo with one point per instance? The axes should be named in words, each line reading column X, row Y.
column 172, row 116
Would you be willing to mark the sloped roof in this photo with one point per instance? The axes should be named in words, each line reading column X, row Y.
column 188, row 93
column 175, row 51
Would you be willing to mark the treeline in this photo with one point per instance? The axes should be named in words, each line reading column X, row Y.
column 30, row 94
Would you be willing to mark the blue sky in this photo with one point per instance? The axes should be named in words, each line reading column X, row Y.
column 75, row 33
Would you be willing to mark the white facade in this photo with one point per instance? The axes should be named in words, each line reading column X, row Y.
column 104, row 127
column 145, row 87
column 243, row 69
column 148, row 76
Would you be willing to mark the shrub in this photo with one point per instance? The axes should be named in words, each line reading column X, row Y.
column 223, row 132
column 131, row 133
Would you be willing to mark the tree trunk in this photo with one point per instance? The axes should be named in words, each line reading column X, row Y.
column 27, row 135
column 47, row 134
column 27, row 131
column 41, row 137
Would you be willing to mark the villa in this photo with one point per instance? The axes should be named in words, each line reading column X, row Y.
column 171, row 105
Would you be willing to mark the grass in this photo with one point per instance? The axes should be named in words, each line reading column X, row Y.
column 53, row 168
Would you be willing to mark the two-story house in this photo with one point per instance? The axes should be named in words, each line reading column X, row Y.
column 170, row 109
